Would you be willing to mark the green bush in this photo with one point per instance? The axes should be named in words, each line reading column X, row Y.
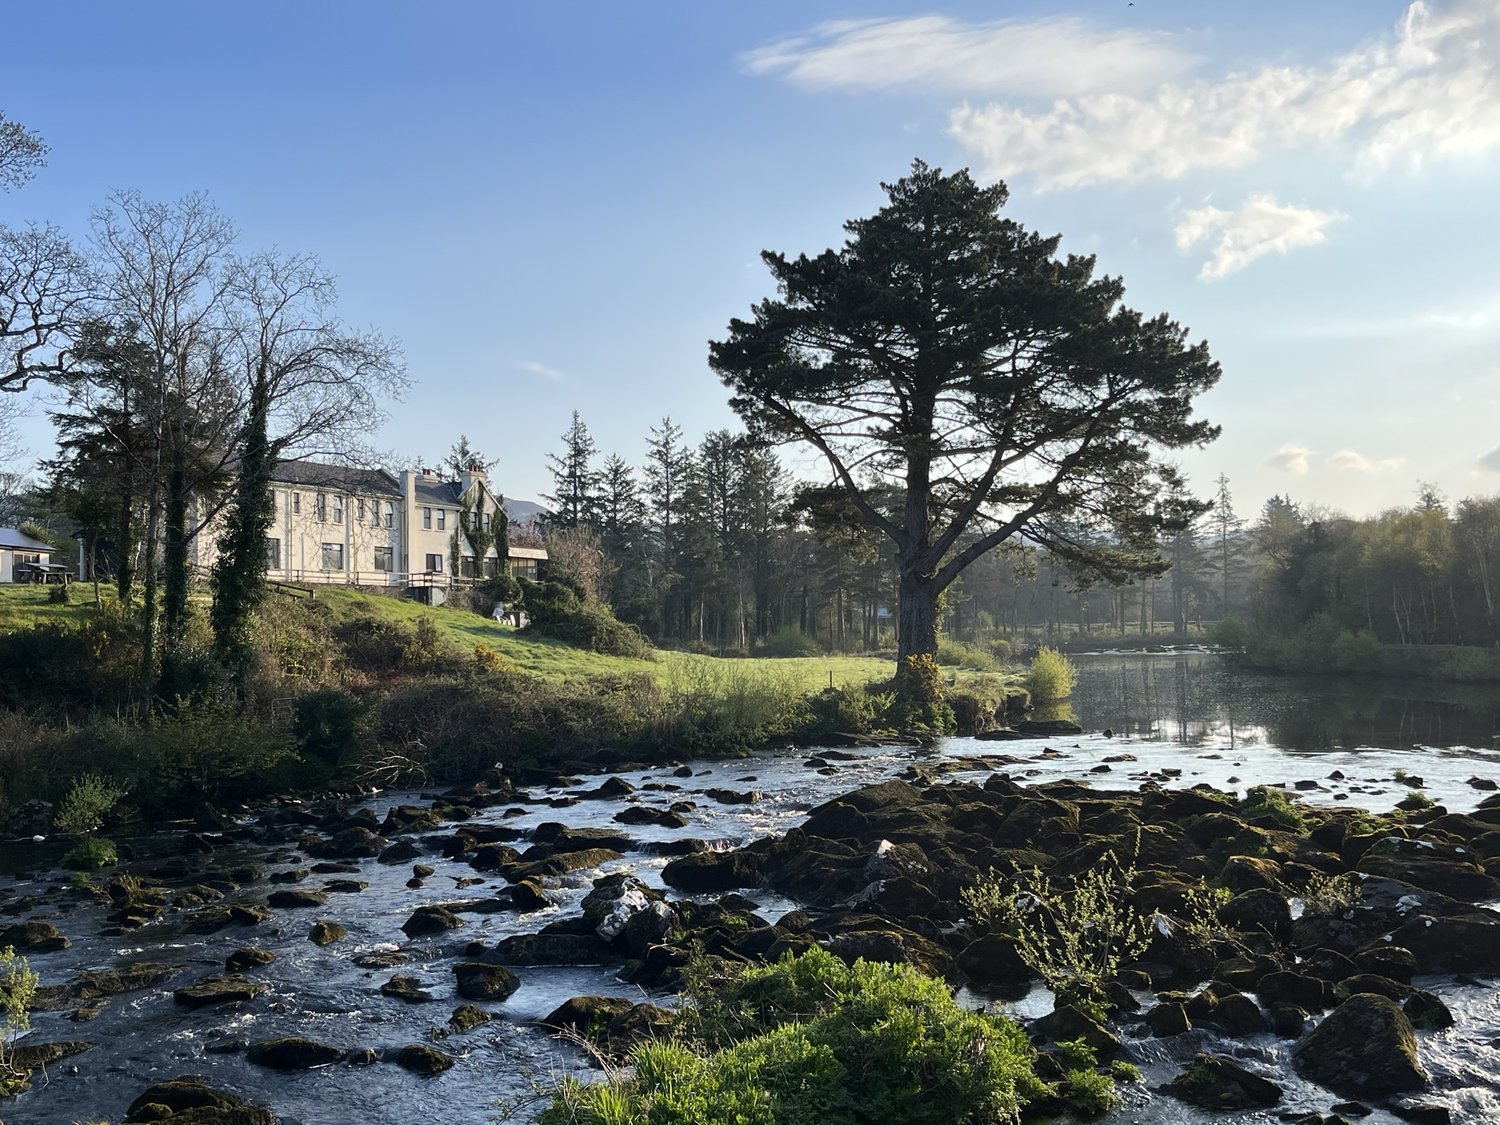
column 1268, row 807
column 330, row 725
column 957, row 654
column 789, row 641
column 812, row 1041
column 714, row 708
column 558, row 610
column 1051, row 676
column 1356, row 652
column 1229, row 632
column 851, row 708
column 90, row 854
column 88, row 802
column 17, row 989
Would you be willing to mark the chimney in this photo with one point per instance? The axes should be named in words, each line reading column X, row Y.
column 474, row 474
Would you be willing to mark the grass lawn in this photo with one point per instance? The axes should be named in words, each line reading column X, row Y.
column 26, row 605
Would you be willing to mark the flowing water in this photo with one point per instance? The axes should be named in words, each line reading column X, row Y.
column 1175, row 718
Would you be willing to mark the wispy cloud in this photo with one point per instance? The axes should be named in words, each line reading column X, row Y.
column 1061, row 57
column 535, row 368
column 1491, row 460
column 1258, row 227
column 1291, row 459
column 1351, row 461
column 1426, row 91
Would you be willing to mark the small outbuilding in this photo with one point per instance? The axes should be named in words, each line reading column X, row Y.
column 24, row 559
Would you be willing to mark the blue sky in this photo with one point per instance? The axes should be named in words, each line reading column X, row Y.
column 556, row 207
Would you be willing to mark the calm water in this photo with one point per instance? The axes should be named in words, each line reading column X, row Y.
column 1178, row 719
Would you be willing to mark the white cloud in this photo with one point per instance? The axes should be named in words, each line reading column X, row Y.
column 535, row 368
column 1254, row 229
column 1428, row 91
column 1291, row 459
column 1061, row 57
column 1491, row 460
column 1350, row 461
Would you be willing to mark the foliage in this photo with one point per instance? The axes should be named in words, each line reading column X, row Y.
column 1229, row 632
column 789, row 641
column 90, row 854
column 1075, row 939
column 812, row 1041
column 1089, row 1092
column 957, row 654
column 556, row 610
column 1269, row 807
column 727, row 707
column 1051, row 676
column 17, row 988
column 1201, row 928
column 1328, row 896
column 88, row 802
column 330, row 725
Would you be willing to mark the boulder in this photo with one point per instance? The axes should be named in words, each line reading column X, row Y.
column 358, row 842
column 466, row 1017
column 407, row 988
column 1222, row 1084
column 479, row 981
column 422, row 1060
column 430, row 919
column 1468, row 943
column 291, row 1052
column 247, row 957
column 1365, row 1048
column 33, row 937
column 228, row 989
column 190, row 1100
column 993, row 960
column 294, row 900
column 326, row 933
column 550, row 948
column 402, row 851
column 704, row 872
column 1168, row 1019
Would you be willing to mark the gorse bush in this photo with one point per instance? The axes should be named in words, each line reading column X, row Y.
column 88, row 802
column 957, row 654
column 1051, row 676
column 813, row 1041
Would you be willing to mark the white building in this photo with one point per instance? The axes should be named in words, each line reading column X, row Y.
column 20, row 555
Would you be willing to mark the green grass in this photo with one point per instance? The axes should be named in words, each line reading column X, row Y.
column 24, row 606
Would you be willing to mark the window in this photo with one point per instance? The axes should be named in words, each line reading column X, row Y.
column 384, row 558
column 273, row 553
column 466, row 567
column 491, row 567
column 296, row 503
column 320, row 507
column 390, row 514
column 435, row 564
column 360, row 510
column 338, row 509
column 485, row 521
column 427, row 518
column 442, row 518
column 333, row 556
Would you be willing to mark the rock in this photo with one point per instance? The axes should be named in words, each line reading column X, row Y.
column 1222, row 1084
column 190, row 1100
column 1468, row 943
column 34, row 818
column 586, row 1015
column 1288, row 1020
column 326, row 933
column 734, row 796
column 1422, row 1113
column 1238, row 1015
column 350, row 843
column 1259, row 910
column 33, row 936
column 1427, row 1011
column 247, row 957
column 1068, row 1023
column 527, row 895
column 295, row 899
column 563, row 863
column 613, row 788
column 430, row 920
column 645, row 814
column 993, row 960
column 466, row 1017
column 26, row 1055
column 550, row 948
column 614, row 900
column 408, row 989
column 714, row 871
column 1449, row 876
column 1044, row 728
column 422, row 1060
column 478, row 981
column 228, row 989
column 399, row 852
column 291, row 1052
column 1294, row 988
column 1365, row 1048
column 1168, row 1019
column 386, row 959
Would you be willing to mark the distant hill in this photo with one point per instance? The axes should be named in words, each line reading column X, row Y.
column 520, row 511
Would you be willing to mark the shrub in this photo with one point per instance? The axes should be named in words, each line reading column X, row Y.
column 61, row 594
column 17, row 988
column 812, row 1041
column 88, row 801
column 789, row 641
column 957, row 654
column 1051, row 676
column 557, row 609
column 330, row 725
column 1356, row 652
column 713, row 708
column 1328, row 896
column 1229, row 632
column 851, row 708
column 1266, row 806
column 90, row 854
column 1002, row 650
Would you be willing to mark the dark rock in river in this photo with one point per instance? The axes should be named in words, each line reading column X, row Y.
column 563, row 863
column 326, row 933
column 350, row 843
column 527, row 895
column 295, row 899
column 430, row 920
column 247, row 958
column 478, row 981
column 190, row 1100
column 703, row 872
column 1365, row 1048
column 34, row 937
column 1221, row 1084
column 1169, row 1019
column 550, row 948
column 1043, row 728
column 291, row 1052
column 993, row 960
column 466, row 1017
column 407, row 988
column 1468, row 943
column 646, row 814
column 422, row 1060
column 227, row 989
column 399, row 852
column 734, row 796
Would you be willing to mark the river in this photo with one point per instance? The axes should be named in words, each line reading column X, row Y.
column 1185, row 718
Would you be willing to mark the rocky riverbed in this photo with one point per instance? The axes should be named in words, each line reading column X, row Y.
column 414, row 955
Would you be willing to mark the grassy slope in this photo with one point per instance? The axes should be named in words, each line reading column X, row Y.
column 24, row 606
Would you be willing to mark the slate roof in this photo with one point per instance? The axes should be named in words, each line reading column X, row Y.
column 317, row 474
column 13, row 540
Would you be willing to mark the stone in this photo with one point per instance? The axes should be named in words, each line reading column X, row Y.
column 1218, row 1083
column 993, row 960
column 228, row 989
column 466, row 1017
column 384, row 959
column 527, row 895
column 33, row 937
column 326, row 933
column 550, row 948
column 430, row 920
column 350, row 843
column 704, row 872
column 1238, row 1015
column 479, row 981
column 408, row 989
column 1068, row 1023
column 645, row 814
column 190, row 1100
column 1365, row 1048
column 399, row 852
column 422, row 1060
column 247, row 957
column 295, row 899
column 586, row 1015
column 292, row 1052
column 1168, row 1019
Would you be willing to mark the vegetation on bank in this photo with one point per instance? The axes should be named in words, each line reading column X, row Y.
column 349, row 688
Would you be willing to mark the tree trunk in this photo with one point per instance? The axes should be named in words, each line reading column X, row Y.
column 918, row 617
column 175, row 577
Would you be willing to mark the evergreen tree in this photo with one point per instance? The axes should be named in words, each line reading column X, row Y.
column 575, row 480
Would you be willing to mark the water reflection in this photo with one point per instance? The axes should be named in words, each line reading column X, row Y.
column 1198, row 699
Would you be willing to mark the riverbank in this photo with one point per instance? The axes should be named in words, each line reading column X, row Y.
column 803, row 833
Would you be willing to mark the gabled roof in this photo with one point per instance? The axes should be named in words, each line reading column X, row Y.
column 344, row 478
column 13, row 540
column 436, row 490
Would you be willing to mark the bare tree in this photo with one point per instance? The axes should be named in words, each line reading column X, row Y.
column 22, row 152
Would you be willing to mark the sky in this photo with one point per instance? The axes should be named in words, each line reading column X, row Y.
column 556, row 207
